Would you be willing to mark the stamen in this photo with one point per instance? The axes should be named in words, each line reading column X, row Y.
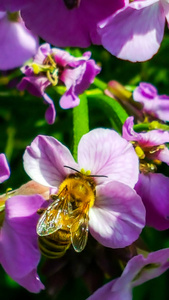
column 139, row 152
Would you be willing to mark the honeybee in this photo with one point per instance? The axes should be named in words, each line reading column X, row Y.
column 66, row 220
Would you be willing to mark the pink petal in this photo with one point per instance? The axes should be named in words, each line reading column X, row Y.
column 118, row 215
column 4, row 168
column 68, row 27
column 69, row 100
column 105, row 152
column 45, row 159
column 154, row 191
column 18, row 44
column 163, row 155
column 31, row 282
column 19, row 253
column 135, row 32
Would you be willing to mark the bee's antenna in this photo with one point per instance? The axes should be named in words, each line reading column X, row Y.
column 85, row 175
column 72, row 169
column 97, row 176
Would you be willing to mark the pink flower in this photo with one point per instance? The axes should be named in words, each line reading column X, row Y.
column 152, row 187
column 138, row 270
column 135, row 32
column 18, row 44
column 19, row 254
column 152, row 142
column 55, row 66
column 64, row 23
column 116, row 217
column 154, row 105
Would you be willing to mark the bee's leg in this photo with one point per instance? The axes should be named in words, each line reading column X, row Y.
column 40, row 211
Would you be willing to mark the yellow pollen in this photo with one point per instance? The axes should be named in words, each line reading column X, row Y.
column 139, row 152
column 88, row 172
column 37, row 68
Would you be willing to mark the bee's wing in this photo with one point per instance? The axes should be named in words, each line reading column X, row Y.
column 79, row 232
column 51, row 219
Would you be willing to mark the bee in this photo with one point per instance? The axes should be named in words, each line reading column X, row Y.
column 66, row 220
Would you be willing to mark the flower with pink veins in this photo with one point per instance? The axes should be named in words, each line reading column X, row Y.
column 157, row 106
column 138, row 270
column 64, row 23
column 152, row 187
column 18, row 44
column 51, row 67
column 117, row 215
column 135, row 32
column 19, row 253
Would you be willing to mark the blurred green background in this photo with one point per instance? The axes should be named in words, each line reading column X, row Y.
column 22, row 119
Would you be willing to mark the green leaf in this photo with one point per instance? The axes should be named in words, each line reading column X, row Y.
column 113, row 110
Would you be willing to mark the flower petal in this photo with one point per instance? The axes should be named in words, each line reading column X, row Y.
column 106, row 292
column 4, row 168
column 18, row 44
column 118, row 215
column 50, row 113
column 19, row 253
column 31, row 282
column 69, row 99
column 46, row 17
column 105, row 152
column 45, row 159
column 154, row 191
column 134, row 32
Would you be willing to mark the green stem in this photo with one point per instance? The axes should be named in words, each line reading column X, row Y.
column 80, row 122
column 10, row 142
column 100, row 84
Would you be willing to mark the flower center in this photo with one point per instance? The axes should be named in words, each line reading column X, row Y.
column 49, row 67
column 148, row 162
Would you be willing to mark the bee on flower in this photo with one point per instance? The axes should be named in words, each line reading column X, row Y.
column 97, row 192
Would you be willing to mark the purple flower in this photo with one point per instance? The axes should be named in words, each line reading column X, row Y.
column 149, row 144
column 18, row 44
column 137, row 271
column 64, row 23
column 55, row 66
column 19, row 254
column 152, row 187
column 135, row 32
column 153, row 104
column 116, row 217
